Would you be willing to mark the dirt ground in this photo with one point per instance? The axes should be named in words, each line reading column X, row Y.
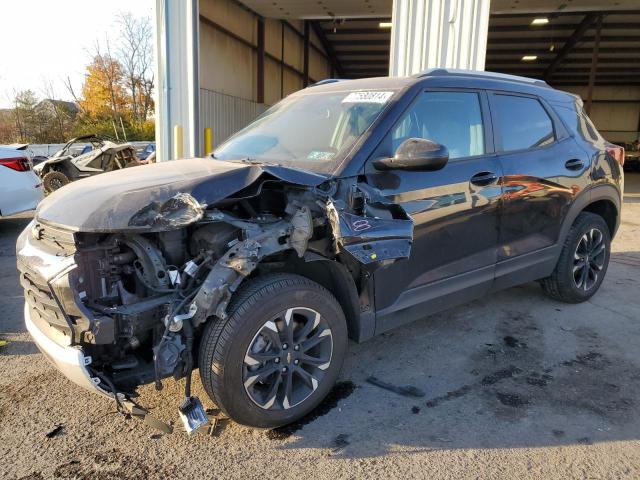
column 516, row 386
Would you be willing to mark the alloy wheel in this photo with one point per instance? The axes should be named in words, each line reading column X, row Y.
column 588, row 259
column 287, row 358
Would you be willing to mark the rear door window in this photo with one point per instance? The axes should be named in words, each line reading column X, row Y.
column 521, row 123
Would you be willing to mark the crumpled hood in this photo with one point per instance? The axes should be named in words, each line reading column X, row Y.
column 107, row 202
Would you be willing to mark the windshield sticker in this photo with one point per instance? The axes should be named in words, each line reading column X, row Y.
column 367, row 97
column 320, row 155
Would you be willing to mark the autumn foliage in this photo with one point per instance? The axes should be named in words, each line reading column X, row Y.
column 116, row 98
column 103, row 94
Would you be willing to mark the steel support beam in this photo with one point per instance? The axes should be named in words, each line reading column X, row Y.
column 545, row 51
column 312, row 46
column 571, row 42
column 438, row 33
column 545, row 40
column 628, row 81
column 565, row 13
column 567, row 61
column 559, row 26
column 603, row 70
column 255, row 48
column 594, row 66
column 177, row 73
column 282, row 24
column 260, row 62
column 305, row 60
column 335, row 64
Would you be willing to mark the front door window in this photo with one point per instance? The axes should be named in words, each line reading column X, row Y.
column 452, row 119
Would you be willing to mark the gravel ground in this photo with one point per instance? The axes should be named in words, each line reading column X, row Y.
column 516, row 386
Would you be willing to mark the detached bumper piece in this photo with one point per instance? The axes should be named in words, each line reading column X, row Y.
column 193, row 414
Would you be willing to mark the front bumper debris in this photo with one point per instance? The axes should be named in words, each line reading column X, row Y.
column 73, row 364
column 71, row 361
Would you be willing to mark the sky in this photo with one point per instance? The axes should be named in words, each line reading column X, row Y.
column 49, row 40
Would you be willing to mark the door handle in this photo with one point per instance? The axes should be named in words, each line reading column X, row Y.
column 574, row 164
column 483, row 178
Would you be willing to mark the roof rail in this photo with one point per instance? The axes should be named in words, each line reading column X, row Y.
column 435, row 72
column 327, row 80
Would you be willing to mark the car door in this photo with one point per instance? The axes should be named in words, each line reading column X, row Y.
column 543, row 171
column 454, row 210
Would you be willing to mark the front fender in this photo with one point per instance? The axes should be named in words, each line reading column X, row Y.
column 335, row 277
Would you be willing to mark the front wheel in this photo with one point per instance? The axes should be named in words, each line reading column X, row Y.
column 278, row 354
column 583, row 261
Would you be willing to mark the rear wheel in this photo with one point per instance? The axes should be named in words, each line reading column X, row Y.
column 583, row 261
column 278, row 354
column 54, row 180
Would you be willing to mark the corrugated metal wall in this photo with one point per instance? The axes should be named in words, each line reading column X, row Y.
column 438, row 34
column 226, row 114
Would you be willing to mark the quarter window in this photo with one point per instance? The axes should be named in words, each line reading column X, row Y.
column 452, row 119
column 522, row 123
column 577, row 121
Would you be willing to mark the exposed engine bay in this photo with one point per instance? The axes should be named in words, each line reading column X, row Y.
column 148, row 294
column 151, row 290
column 139, row 297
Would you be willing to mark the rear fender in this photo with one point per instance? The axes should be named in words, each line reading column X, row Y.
column 588, row 197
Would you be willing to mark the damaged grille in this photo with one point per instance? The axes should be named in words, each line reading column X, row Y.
column 41, row 301
column 54, row 239
column 44, row 308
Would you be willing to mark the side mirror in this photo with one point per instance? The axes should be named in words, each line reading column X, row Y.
column 416, row 154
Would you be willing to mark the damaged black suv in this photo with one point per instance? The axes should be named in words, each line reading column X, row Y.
column 347, row 209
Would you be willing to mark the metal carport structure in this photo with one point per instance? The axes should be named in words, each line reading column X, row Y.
column 222, row 62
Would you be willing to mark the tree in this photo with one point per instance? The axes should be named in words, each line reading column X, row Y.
column 103, row 92
column 60, row 113
column 116, row 97
column 25, row 116
column 35, row 121
column 117, row 94
column 7, row 126
column 135, row 53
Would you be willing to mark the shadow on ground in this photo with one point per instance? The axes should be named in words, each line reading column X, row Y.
column 498, row 373
column 512, row 370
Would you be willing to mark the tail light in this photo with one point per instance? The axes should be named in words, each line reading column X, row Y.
column 19, row 164
column 617, row 152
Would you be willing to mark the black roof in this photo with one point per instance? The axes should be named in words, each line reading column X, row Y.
column 446, row 77
column 451, row 72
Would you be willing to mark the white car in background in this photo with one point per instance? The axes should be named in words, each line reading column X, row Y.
column 20, row 187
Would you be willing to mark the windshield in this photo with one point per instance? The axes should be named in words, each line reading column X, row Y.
column 314, row 131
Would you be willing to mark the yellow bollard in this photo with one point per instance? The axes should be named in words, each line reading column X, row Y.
column 208, row 141
column 177, row 142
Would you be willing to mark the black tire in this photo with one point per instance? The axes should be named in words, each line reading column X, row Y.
column 564, row 283
column 224, row 348
column 54, row 180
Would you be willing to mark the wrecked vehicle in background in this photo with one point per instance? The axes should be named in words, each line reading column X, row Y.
column 76, row 160
column 257, row 264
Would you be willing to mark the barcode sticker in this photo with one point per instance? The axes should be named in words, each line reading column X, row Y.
column 367, row 97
